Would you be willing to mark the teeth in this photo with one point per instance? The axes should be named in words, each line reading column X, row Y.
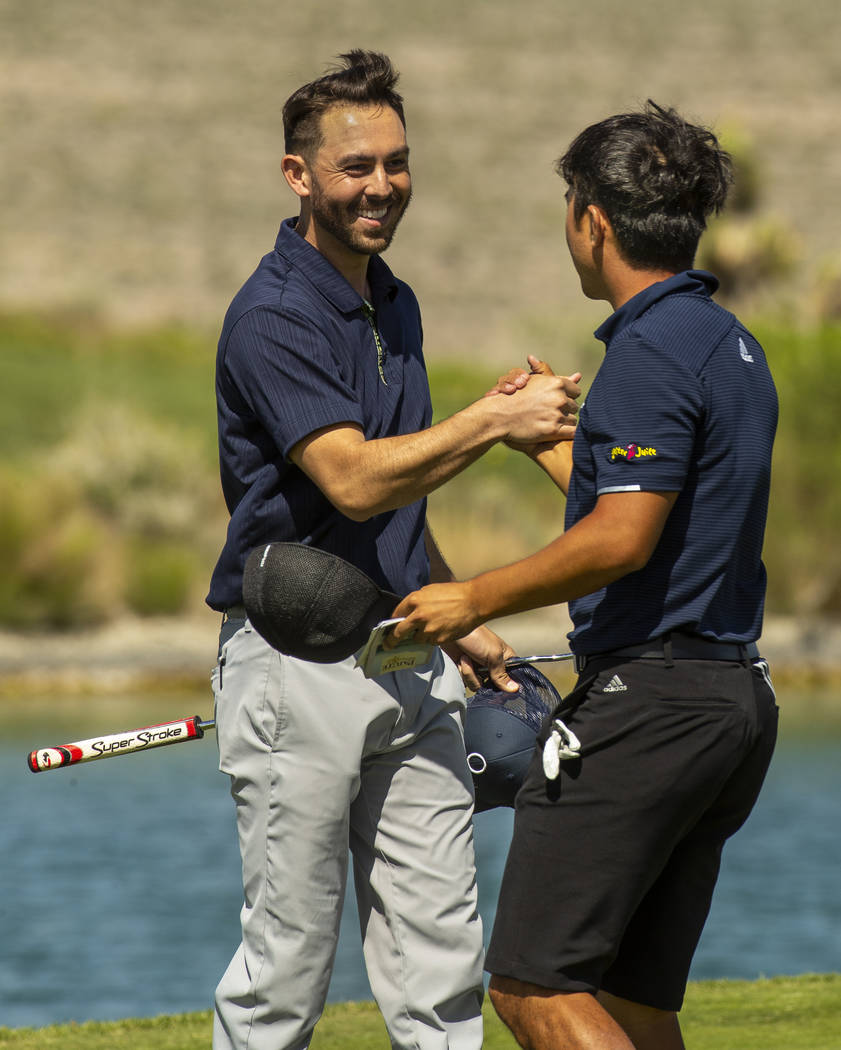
column 373, row 213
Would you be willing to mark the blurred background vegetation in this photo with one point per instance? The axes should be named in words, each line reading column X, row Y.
column 140, row 177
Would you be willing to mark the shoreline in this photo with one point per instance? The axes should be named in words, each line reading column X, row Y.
column 174, row 654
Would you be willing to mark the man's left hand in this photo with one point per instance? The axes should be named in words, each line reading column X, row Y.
column 479, row 650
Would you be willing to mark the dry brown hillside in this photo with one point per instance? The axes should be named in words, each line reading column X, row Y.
column 139, row 172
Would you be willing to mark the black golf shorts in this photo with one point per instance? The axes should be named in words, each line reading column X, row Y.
column 612, row 866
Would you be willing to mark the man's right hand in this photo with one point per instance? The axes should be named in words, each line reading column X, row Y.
column 541, row 405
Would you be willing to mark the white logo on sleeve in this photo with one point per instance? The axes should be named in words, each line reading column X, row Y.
column 615, row 685
column 744, row 353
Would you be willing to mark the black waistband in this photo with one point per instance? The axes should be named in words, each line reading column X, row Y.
column 676, row 646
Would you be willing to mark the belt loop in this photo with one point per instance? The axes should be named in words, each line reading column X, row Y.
column 667, row 650
column 743, row 655
column 579, row 663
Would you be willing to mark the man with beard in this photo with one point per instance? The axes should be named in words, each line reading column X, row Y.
column 325, row 439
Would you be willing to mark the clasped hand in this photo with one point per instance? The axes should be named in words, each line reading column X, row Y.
column 517, row 378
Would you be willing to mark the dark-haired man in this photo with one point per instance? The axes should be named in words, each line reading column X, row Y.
column 616, row 849
column 325, row 439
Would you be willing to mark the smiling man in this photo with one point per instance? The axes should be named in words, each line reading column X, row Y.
column 325, row 439
column 354, row 184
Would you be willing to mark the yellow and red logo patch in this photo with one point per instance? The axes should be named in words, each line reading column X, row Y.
column 632, row 452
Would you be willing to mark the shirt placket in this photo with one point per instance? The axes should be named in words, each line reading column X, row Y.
column 371, row 318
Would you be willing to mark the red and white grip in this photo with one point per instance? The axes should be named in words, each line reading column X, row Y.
column 117, row 744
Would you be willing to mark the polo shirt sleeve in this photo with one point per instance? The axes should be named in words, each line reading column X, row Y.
column 289, row 376
column 642, row 417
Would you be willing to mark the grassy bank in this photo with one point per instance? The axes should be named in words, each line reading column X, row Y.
column 111, row 503
column 783, row 1013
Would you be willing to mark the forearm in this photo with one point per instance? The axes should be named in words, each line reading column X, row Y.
column 362, row 478
column 393, row 472
column 439, row 570
column 574, row 564
column 556, row 461
column 616, row 538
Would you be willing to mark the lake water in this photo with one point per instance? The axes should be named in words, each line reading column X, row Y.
column 119, row 880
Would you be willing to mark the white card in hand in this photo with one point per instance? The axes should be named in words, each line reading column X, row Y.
column 375, row 659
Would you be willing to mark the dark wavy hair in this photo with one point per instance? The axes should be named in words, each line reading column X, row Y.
column 657, row 178
column 363, row 78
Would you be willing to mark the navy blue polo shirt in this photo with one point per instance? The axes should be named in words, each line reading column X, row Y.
column 297, row 353
column 683, row 402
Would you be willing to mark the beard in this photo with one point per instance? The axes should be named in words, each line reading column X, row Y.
column 339, row 220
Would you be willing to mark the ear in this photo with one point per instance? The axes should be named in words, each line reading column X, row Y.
column 599, row 224
column 297, row 174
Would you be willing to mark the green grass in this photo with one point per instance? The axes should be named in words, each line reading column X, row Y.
column 108, row 452
column 51, row 369
column 801, row 1013
column 780, row 1013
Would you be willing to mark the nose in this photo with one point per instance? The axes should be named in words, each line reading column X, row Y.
column 379, row 183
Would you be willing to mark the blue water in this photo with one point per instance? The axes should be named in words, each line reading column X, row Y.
column 119, row 880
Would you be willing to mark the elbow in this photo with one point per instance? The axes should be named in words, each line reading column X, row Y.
column 625, row 551
column 359, row 497
column 356, row 514
column 354, row 509
column 354, row 502
column 637, row 562
column 631, row 557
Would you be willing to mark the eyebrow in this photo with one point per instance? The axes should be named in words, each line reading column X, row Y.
column 364, row 158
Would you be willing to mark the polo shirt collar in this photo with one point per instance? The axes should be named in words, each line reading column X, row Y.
column 325, row 277
column 692, row 282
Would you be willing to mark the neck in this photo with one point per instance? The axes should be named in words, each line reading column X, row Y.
column 625, row 283
column 353, row 266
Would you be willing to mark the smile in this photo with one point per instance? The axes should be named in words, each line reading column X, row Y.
column 373, row 213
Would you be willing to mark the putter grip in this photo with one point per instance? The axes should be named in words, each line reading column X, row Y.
column 114, row 744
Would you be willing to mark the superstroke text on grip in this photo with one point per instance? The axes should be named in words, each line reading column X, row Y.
column 107, row 746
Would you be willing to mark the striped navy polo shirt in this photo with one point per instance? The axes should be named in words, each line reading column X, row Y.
column 683, row 402
column 298, row 352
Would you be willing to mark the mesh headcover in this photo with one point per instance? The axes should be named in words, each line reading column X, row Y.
column 311, row 604
column 500, row 732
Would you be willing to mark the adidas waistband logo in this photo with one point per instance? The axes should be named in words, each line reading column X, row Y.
column 615, row 685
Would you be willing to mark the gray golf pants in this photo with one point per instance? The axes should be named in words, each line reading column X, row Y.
column 323, row 761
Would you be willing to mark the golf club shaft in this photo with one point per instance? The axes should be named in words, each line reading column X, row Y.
column 518, row 661
column 114, row 744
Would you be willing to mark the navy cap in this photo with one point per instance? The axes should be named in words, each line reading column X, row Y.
column 500, row 732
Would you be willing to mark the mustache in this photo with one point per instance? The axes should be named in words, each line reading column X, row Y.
column 393, row 198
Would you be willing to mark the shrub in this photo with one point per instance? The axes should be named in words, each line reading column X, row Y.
column 123, row 514
column 802, row 551
column 746, row 253
column 55, row 555
column 148, row 478
column 159, row 576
